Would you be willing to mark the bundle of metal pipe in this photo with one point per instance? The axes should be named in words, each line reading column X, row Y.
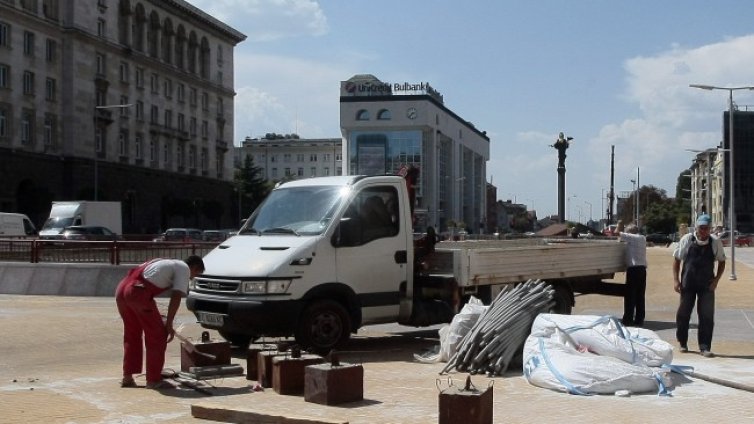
column 501, row 331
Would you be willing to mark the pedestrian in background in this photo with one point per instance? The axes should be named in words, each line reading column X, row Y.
column 636, row 275
column 135, row 300
column 696, row 280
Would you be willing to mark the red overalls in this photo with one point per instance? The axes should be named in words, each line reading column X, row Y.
column 135, row 299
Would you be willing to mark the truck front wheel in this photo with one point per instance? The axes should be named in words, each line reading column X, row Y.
column 324, row 324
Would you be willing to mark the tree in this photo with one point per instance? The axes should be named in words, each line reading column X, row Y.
column 251, row 187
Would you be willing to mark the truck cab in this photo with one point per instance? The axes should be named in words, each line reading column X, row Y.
column 318, row 259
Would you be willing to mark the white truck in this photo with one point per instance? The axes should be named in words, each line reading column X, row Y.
column 16, row 225
column 322, row 257
column 82, row 212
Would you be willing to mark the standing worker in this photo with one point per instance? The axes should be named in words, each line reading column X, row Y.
column 696, row 282
column 135, row 299
column 636, row 276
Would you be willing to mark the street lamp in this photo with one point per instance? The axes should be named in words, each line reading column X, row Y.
column 590, row 209
column 731, row 203
column 636, row 200
column 98, row 138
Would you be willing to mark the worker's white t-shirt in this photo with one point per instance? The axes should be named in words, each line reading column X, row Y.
column 169, row 273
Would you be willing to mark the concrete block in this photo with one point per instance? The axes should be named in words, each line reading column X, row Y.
column 190, row 358
column 331, row 385
column 288, row 373
column 252, row 370
column 264, row 367
column 465, row 405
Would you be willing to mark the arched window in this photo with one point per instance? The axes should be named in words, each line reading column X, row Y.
column 153, row 35
column 180, row 47
column 384, row 115
column 204, row 59
column 137, row 31
column 192, row 46
column 167, row 41
column 124, row 22
column 362, row 115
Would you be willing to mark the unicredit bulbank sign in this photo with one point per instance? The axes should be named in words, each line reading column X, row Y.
column 379, row 88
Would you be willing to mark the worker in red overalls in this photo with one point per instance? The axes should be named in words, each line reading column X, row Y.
column 135, row 299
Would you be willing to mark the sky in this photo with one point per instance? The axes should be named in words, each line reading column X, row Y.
column 607, row 73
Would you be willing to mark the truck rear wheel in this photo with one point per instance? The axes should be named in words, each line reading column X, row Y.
column 324, row 324
column 563, row 300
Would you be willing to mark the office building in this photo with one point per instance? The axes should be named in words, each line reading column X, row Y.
column 390, row 127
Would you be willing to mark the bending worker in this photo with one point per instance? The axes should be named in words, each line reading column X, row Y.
column 135, row 299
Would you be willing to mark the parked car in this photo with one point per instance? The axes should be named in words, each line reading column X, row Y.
column 182, row 234
column 88, row 232
column 215, row 235
column 741, row 239
column 659, row 238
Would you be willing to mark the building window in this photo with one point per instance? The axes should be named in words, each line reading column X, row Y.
column 313, row 172
column 326, row 157
column 362, row 115
column 274, row 173
column 29, row 5
column 204, row 161
column 50, row 89
column 166, row 152
column 100, row 97
column 181, row 122
column 205, row 129
column 4, row 34
column 29, row 83
column 100, row 64
column 313, row 157
column 124, row 72
column 180, row 92
column 3, row 122
column 286, row 157
column 154, row 114
column 139, row 77
column 168, row 88
column 192, row 96
column 288, row 172
column 28, row 43
column 124, row 108
column 138, row 141
column 192, row 157
column 192, row 127
column 51, row 124
column 220, row 107
column 153, row 149
column 123, row 143
column 154, row 83
column 100, row 27
column 300, row 172
column 326, row 171
column 205, row 101
column 27, row 127
column 51, row 50
column 168, row 121
column 4, row 76
column 384, row 115
column 139, row 110
column 338, row 157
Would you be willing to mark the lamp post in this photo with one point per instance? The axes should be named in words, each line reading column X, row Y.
column 731, row 202
column 98, row 138
column 590, row 209
column 636, row 200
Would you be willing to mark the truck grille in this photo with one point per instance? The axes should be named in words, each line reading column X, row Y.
column 212, row 285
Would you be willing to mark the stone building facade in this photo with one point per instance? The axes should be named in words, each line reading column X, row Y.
column 121, row 100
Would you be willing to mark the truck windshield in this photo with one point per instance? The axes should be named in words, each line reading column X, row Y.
column 57, row 223
column 296, row 211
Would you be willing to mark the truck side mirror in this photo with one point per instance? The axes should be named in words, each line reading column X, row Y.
column 345, row 233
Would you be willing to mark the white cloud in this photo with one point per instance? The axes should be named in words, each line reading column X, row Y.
column 266, row 20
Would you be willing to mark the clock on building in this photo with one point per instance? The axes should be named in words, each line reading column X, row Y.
column 411, row 113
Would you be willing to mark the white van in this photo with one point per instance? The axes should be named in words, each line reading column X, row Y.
column 16, row 224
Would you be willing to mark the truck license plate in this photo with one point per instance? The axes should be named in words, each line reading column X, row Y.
column 211, row 319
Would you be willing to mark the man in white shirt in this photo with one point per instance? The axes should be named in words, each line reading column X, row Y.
column 135, row 299
column 636, row 276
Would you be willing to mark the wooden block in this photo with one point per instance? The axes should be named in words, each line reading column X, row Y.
column 264, row 367
column 189, row 358
column 288, row 373
column 216, row 412
column 252, row 370
column 458, row 405
column 331, row 385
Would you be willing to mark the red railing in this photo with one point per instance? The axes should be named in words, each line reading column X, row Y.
column 113, row 252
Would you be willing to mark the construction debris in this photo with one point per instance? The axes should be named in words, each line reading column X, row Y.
column 500, row 332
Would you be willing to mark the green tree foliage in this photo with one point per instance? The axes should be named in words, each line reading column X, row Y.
column 251, row 186
column 658, row 212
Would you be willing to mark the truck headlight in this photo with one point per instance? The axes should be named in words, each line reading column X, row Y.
column 265, row 287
